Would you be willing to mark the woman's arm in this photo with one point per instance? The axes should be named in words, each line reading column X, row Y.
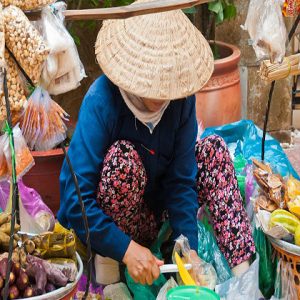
column 87, row 150
column 180, row 180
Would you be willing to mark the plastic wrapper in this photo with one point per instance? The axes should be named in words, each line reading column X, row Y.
column 117, row 291
column 35, row 215
column 2, row 39
column 291, row 8
column 43, row 122
column 171, row 283
column 246, row 138
column 285, row 288
column 28, row 4
column 25, row 42
column 3, row 162
column 4, row 194
column 203, row 273
column 267, row 29
column 16, row 89
column 63, row 70
column 209, row 251
column 267, row 263
column 245, row 287
column 24, row 159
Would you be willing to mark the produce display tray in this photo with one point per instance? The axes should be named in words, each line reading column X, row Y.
column 63, row 293
column 288, row 247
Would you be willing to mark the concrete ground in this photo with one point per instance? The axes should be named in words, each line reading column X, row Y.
column 293, row 151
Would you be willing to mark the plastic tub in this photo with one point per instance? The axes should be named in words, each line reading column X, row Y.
column 191, row 293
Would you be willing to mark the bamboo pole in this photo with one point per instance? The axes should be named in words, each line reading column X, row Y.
column 135, row 9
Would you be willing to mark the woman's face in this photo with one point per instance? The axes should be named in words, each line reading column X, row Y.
column 153, row 105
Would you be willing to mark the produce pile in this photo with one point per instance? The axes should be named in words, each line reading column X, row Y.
column 41, row 263
column 278, row 204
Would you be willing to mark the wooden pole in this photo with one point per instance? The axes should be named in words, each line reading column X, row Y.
column 135, row 9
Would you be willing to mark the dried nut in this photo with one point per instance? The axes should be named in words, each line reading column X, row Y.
column 29, row 246
column 28, row 4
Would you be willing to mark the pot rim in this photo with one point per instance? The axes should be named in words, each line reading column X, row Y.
column 234, row 57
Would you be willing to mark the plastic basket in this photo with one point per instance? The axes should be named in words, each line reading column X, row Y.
column 289, row 253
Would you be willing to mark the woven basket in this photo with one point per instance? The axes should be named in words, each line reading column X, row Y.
column 295, row 264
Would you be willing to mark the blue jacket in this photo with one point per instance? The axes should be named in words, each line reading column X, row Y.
column 104, row 118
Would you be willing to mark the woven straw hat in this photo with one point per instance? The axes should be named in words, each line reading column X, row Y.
column 156, row 56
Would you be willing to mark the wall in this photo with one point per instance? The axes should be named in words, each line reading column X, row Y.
column 255, row 92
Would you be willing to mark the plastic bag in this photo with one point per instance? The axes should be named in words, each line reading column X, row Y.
column 28, row 4
column 2, row 39
column 43, row 121
column 24, row 159
column 35, row 215
column 285, row 286
column 291, row 8
column 245, row 287
column 64, row 70
column 209, row 251
column 4, row 194
column 202, row 272
column 25, row 42
column 117, row 291
column 267, row 29
column 162, row 295
column 246, row 138
column 267, row 263
column 3, row 162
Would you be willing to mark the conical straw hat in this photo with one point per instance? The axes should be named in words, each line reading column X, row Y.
column 156, row 56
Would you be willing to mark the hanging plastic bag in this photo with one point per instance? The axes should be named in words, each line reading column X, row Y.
column 245, row 287
column 267, row 263
column 23, row 157
column 63, row 70
column 209, row 251
column 3, row 162
column 202, row 272
column 4, row 194
column 267, row 29
column 285, row 286
column 43, row 122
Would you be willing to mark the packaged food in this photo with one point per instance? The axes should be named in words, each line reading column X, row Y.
column 28, row 4
column 25, row 42
column 63, row 71
column 16, row 89
column 24, row 159
column 285, row 219
column 2, row 39
column 43, row 121
column 291, row 8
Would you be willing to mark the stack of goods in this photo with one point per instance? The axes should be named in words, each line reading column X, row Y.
column 40, row 263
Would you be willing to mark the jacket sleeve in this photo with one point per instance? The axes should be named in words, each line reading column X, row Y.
column 87, row 150
column 180, row 180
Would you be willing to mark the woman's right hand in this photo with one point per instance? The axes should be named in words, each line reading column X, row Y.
column 142, row 265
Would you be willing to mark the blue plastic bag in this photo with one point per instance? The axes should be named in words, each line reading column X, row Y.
column 245, row 138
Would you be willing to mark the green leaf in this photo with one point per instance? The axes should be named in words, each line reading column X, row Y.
column 191, row 10
column 215, row 6
column 220, row 17
column 230, row 12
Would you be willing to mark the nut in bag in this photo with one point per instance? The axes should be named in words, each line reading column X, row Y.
column 43, row 123
column 202, row 273
column 267, row 29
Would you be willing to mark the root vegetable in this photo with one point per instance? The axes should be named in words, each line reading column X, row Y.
column 6, row 228
column 22, row 281
column 4, row 240
column 13, row 292
column 22, row 257
column 16, row 269
column 3, row 267
column 1, row 282
column 50, row 288
column 12, row 278
column 16, row 256
column 36, row 270
column 4, row 218
column 28, row 293
column 29, row 246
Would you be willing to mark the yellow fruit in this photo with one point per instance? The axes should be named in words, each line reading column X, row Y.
column 285, row 219
column 297, row 236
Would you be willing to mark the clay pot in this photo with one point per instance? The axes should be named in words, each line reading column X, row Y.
column 219, row 102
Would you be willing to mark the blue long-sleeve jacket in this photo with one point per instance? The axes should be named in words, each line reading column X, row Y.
column 104, row 118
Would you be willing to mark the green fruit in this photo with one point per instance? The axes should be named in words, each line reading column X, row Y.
column 297, row 236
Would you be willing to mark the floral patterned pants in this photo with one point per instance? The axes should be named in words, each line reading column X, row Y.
column 123, row 181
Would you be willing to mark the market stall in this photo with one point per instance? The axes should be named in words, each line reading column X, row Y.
column 38, row 258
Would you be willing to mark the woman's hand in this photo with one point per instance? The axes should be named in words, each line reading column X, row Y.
column 142, row 266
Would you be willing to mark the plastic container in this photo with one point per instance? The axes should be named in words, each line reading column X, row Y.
column 191, row 293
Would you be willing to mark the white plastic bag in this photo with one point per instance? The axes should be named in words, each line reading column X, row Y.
column 267, row 30
column 245, row 287
column 63, row 70
column 118, row 291
column 162, row 295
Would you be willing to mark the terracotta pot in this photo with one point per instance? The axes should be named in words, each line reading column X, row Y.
column 219, row 102
column 44, row 176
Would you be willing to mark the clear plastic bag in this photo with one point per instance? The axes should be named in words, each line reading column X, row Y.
column 267, row 30
column 203, row 273
column 171, row 283
column 43, row 121
column 117, row 291
column 35, row 215
column 24, row 159
column 3, row 162
column 245, row 287
column 63, row 70
column 28, row 4
column 285, row 286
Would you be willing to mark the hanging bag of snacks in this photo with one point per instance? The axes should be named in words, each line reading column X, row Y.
column 291, row 8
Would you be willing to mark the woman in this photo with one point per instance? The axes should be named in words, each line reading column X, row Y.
column 134, row 154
